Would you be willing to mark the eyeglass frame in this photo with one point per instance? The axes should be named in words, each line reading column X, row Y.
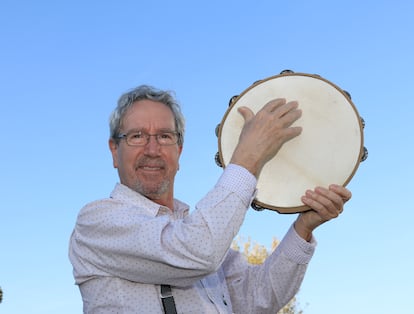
column 148, row 136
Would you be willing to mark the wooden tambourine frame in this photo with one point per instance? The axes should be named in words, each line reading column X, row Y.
column 329, row 150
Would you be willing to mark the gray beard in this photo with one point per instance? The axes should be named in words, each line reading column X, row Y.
column 152, row 192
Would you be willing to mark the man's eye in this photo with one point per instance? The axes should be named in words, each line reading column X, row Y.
column 137, row 135
column 166, row 136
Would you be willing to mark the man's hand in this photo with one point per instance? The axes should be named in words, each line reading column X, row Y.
column 325, row 205
column 264, row 134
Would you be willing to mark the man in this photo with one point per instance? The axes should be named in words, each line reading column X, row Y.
column 142, row 251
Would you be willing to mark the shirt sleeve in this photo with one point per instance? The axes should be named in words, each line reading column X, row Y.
column 268, row 287
column 112, row 238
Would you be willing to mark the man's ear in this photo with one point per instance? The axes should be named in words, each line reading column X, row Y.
column 113, row 147
column 180, row 150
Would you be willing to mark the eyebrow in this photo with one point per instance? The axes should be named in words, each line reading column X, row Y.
column 162, row 130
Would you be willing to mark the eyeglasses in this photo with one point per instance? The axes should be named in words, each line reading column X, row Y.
column 141, row 138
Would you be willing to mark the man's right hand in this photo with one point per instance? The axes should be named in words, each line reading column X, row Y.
column 264, row 133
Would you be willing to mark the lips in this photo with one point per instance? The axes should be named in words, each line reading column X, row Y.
column 150, row 168
column 150, row 165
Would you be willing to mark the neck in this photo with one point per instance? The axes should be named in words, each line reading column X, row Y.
column 163, row 201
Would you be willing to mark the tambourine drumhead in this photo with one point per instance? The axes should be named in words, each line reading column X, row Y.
column 328, row 150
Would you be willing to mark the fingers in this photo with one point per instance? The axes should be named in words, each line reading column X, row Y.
column 264, row 133
column 325, row 205
column 341, row 191
column 328, row 203
column 274, row 104
column 279, row 113
column 284, row 114
column 279, row 107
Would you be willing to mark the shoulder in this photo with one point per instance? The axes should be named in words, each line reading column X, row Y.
column 98, row 209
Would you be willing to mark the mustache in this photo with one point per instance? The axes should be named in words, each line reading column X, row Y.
column 146, row 161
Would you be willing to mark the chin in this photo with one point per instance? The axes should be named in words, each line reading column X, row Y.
column 152, row 190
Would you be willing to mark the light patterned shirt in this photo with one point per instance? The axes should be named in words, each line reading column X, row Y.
column 124, row 247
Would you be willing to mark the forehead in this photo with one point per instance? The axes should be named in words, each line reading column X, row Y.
column 147, row 114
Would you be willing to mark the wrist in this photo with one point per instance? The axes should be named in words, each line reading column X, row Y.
column 302, row 231
column 248, row 163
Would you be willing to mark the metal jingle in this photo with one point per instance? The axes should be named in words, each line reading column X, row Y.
column 364, row 154
column 256, row 82
column 287, row 71
column 362, row 122
column 217, row 130
column 347, row 94
column 232, row 99
column 257, row 207
column 217, row 160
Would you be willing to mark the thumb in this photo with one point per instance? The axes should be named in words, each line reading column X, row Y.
column 246, row 113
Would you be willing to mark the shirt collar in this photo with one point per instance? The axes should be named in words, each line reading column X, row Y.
column 125, row 194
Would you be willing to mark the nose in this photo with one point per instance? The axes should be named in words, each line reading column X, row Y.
column 152, row 148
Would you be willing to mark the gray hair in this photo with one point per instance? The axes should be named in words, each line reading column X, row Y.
column 140, row 93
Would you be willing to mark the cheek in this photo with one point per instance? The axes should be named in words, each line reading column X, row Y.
column 125, row 162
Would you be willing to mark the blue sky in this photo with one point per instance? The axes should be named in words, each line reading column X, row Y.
column 63, row 65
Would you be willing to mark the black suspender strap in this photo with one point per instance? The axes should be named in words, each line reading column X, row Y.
column 167, row 300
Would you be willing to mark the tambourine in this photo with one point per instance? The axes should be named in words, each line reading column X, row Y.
column 329, row 149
